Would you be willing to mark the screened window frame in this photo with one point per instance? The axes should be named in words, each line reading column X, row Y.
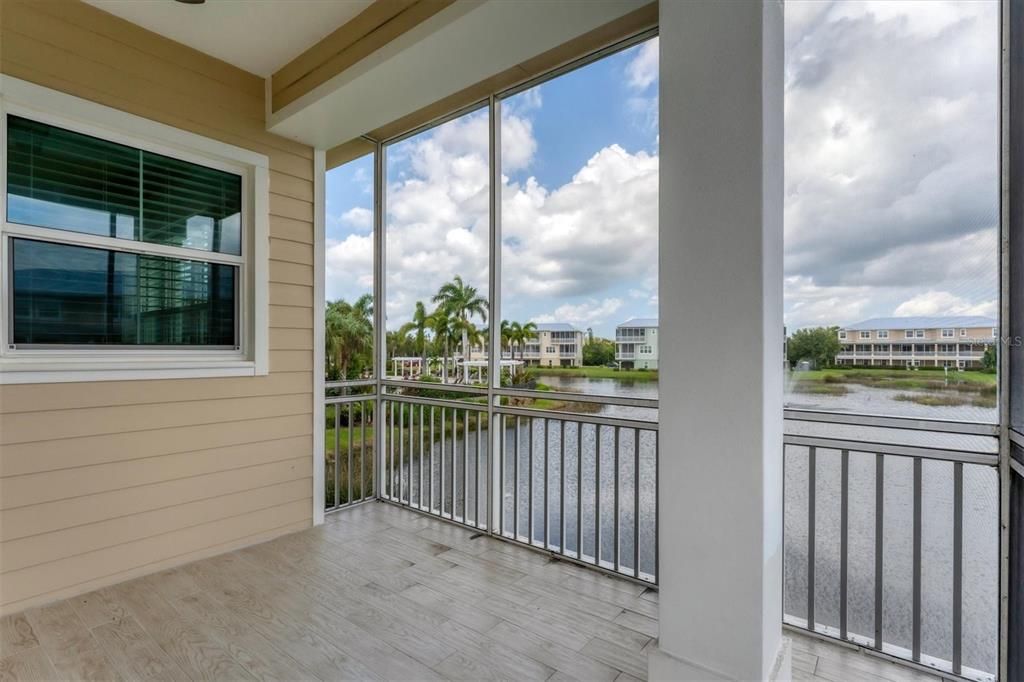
column 43, row 363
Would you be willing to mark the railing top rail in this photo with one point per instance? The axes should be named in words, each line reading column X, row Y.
column 924, row 452
column 350, row 383
column 342, row 399
column 904, row 423
column 437, row 402
column 428, row 386
column 620, row 401
column 600, row 420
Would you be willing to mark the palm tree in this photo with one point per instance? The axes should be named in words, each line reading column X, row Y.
column 348, row 331
column 444, row 328
column 462, row 302
column 419, row 325
column 506, row 335
column 521, row 333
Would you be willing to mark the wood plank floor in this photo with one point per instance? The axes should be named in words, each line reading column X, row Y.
column 375, row 593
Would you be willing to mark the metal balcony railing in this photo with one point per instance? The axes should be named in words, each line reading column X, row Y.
column 891, row 524
column 887, row 520
column 581, row 486
column 349, row 445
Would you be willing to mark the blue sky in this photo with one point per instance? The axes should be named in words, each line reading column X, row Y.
column 579, row 157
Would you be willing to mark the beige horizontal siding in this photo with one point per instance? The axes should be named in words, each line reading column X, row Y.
column 42, row 581
column 69, row 542
column 25, row 427
column 46, row 455
column 84, row 509
column 104, row 481
column 288, row 251
column 53, row 486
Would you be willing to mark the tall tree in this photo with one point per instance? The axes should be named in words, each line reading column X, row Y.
column 819, row 345
column 598, row 352
column 443, row 324
column 419, row 325
column 523, row 333
column 462, row 302
column 348, row 332
column 506, row 335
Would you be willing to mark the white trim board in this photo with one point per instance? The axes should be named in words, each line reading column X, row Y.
column 319, row 313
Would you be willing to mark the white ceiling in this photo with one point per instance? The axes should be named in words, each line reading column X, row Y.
column 259, row 36
column 467, row 42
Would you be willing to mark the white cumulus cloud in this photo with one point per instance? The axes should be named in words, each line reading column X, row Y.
column 586, row 314
column 945, row 303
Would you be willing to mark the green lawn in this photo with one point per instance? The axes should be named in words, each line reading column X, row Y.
column 599, row 373
column 357, row 438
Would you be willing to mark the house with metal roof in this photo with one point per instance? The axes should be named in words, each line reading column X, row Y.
column 957, row 341
column 558, row 344
column 636, row 343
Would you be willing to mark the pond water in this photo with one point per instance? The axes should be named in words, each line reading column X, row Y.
column 588, row 455
column 871, row 400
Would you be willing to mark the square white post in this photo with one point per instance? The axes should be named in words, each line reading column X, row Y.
column 720, row 481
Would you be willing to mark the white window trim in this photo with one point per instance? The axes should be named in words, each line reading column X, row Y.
column 842, row 334
column 963, row 332
column 865, row 335
column 908, row 333
column 883, row 333
column 944, row 335
column 26, row 366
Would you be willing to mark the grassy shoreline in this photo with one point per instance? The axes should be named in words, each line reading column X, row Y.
column 932, row 388
column 592, row 372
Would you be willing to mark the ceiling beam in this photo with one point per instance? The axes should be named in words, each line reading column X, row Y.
column 373, row 28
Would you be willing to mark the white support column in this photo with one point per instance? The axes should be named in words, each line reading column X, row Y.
column 720, row 480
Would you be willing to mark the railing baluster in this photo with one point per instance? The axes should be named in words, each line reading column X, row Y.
column 597, row 495
column 546, row 485
column 441, row 472
column 390, row 446
column 844, row 504
column 501, row 474
column 476, row 469
column 465, row 464
column 561, row 482
column 401, row 448
column 337, row 454
column 455, row 439
column 879, row 519
column 579, row 490
column 958, row 565
column 412, row 451
column 811, row 475
column 430, row 476
column 529, row 482
column 917, row 561
column 419, row 498
column 348, row 474
column 362, row 450
column 636, row 503
column 615, row 516
column 515, row 484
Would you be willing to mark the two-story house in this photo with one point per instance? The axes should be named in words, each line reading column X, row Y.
column 557, row 344
column 636, row 343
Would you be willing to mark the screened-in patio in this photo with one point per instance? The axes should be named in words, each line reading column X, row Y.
column 459, row 339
